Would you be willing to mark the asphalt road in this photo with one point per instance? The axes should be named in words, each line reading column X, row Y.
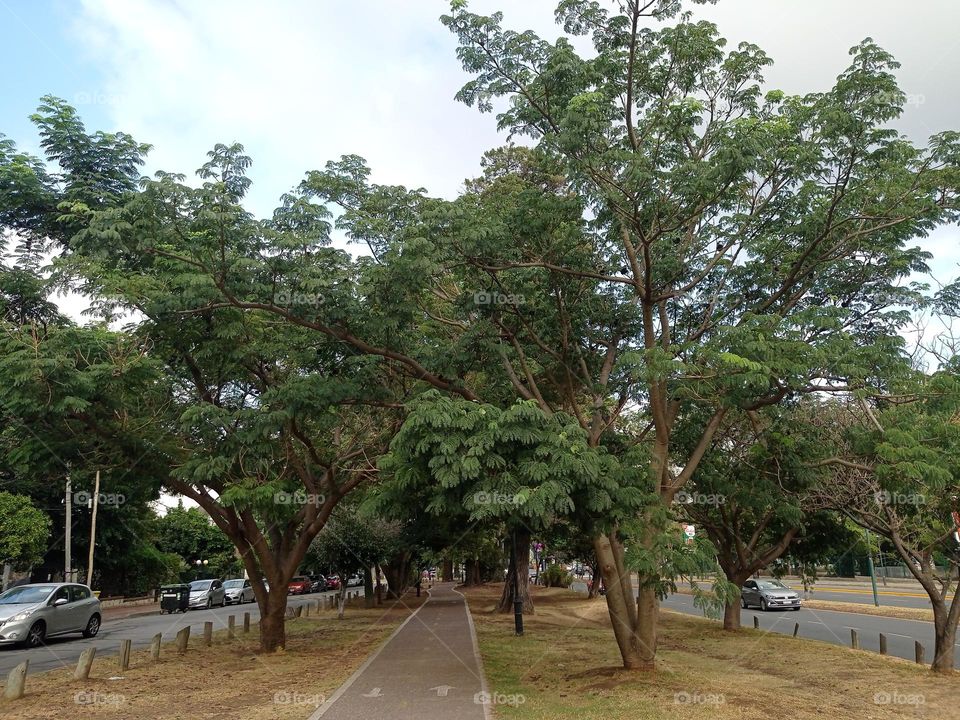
column 65, row 651
column 834, row 627
column 889, row 597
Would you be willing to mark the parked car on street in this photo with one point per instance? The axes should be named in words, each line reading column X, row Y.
column 333, row 582
column 299, row 585
column 29, row 614
column 318, row 583
column 238, row 590
column 769, row 595
column 354, row 581
column 206, row 594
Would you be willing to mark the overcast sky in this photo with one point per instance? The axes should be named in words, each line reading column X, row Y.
column 300, row 82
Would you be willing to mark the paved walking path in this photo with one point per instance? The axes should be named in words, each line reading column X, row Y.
column 429, row 669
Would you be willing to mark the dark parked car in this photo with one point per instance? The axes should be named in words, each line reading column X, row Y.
column 318, row 583
column 299, row 585
column 769, row 595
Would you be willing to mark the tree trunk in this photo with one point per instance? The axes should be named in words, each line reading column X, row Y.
column 594, row 581
column 446, row 573
column 273, row 629
column 945, row 634
column 368, row 598
column 522, row 574
column 397, row 573
column 471, row 572
column 343, row 597
column 731, row 616
column 620, row 604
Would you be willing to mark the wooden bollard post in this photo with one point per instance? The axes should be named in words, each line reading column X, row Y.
column 246, row 622
column 756, row 623
column 918, row 652
column 231, row 627
column 155, row 647
column 306, row 609
column 298, row 612
column 796, row 629
column 183, row 639
column 883, row 644
column 84, row 664
column 208, row 633
column 125, row 654
column 16, row 681
column 854, row 639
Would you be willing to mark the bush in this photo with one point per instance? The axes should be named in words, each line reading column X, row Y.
column 556, row 576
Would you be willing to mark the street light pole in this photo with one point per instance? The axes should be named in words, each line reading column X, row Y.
column 67, row 532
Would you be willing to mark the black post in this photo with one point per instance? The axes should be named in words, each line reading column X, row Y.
column 517, row 600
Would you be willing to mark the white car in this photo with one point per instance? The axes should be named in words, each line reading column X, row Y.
column 238, row 591
column 354, row 581
column 206, row 594
column 29, row 614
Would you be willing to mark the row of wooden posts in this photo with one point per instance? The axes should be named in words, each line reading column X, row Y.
column 17, row 678
column 918, row 649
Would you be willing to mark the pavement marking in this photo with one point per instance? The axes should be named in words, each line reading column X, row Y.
column 366, row 663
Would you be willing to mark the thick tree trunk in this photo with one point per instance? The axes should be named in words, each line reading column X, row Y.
column 945, row 638
column 731, row 616
column 731, row 611
column 446, row 572
column 397, row 573
column 472, row 572
column 273, row 629
column 522, row 574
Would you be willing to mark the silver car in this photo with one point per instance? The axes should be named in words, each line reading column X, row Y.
column 29, row 614
column 238, row 591
column 769, row 595
column 206, row 593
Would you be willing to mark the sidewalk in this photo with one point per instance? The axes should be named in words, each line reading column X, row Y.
column 429, row 669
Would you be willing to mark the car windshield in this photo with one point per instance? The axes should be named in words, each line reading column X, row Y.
column 233, row 584
column 200, row 584
column 26, row 594
column 771, row 585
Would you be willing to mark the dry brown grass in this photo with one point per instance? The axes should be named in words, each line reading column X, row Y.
column 228, row 680
column 567, row 666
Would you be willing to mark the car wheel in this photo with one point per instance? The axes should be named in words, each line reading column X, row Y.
column 223, row 602
column 209, row 603
column 743, row 603
column 93, row 626
column 36, row 634
column 763, row 605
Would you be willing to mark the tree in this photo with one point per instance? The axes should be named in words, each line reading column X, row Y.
column 189, row 533
column 751, row 494
column 896, row 472
column 349, row 543
column 261, row 425
column 25, row 531
column 755, row 241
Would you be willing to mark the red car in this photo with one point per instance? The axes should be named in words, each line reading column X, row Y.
column 299, row 585
column 333, row 582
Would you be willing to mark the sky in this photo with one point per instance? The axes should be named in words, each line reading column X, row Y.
column 300, row 82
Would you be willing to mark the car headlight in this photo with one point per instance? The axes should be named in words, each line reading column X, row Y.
column 18, row 617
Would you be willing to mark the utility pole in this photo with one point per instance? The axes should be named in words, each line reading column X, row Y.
column 873, row 574
column 93, row 528
column 68, row 529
